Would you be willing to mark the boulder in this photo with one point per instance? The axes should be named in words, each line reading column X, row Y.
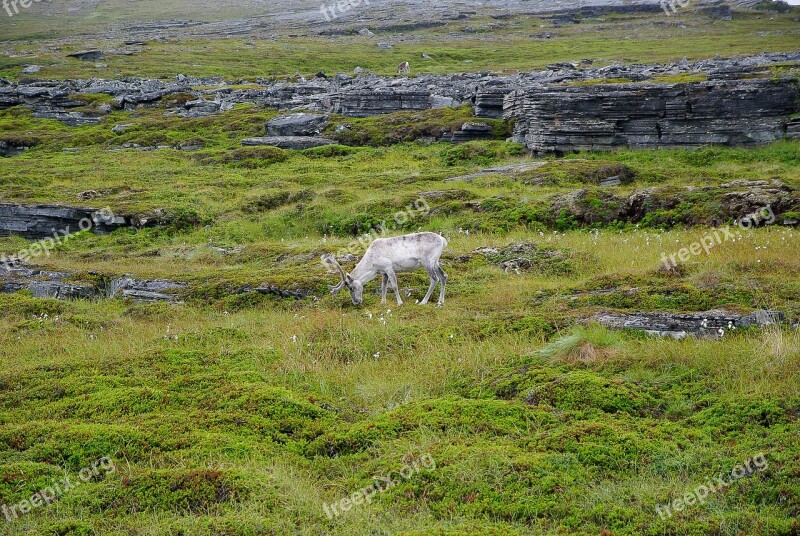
column 87, row 55
column 472, row 131
column 145, row 291
column 719, row 12
column 199, row 108
column 300, row 124
column 8, row 149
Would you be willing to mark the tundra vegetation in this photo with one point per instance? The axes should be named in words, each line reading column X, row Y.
column 245, row 414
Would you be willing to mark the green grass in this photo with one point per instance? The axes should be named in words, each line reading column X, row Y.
column 508, row 48
column 246, row 414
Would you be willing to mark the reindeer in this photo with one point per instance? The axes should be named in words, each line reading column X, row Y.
column 386, row 257
column 404, row 68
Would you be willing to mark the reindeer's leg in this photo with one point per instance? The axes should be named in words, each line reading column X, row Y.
column 443, row 281
column 393, row 282
column 434, row 279
column 384, row 284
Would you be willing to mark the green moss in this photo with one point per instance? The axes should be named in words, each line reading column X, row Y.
column 485, row 418
column 276, row 199
column 482, row 154
column 397, row 127
column 179, row 491
column 246, row 157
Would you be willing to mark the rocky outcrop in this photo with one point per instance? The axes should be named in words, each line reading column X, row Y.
column 472, row 131
column 379, row 101
column 297, row 125
column 16, row 276
column 143, row 290
column 288, row 142
column 8, row 149
column 661, row 205
column 43, row 284
column 596, row 117
column 202, row 108
column 87, row 55
column 510, row 171
column 709, row 324
column 793, row 129
column 362, row 95
column 41, row 221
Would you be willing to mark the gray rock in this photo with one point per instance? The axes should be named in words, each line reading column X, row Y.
column 43, row 221
column 793, row 129
column 300, row 124
column 88, row 55
column 32, row 69
column 443, row 102
column 380, row 101
column 510, row 171
column 8, row 149
column 726, row 112
column 713, row 324
column 719, row 12
column 288, row 142
column 119, row 129
column 472, row 131
column 16, row 276
column 368, row 94
column 145, row 291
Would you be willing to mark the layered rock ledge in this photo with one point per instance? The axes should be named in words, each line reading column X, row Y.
column 360, row 95
column 598, row 117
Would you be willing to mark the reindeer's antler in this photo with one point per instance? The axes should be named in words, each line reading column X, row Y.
column 331, row 260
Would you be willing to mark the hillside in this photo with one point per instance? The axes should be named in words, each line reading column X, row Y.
column 618, row 352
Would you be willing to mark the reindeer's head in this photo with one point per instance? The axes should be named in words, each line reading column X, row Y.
column 355, row 286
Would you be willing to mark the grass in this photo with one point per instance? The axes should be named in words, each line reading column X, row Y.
column 249, row 414
column 509, row 48
column 239, row 415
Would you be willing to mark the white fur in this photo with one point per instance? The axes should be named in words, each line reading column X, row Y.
column 387, row 257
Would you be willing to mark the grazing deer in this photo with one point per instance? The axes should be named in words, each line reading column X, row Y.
column 404, row 68
column 386, row 257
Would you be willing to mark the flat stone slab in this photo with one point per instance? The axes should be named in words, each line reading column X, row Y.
column 288, row 142
column 145, row 290
column 713, row 324
column 87, row 55
column 512, row 169
column 43, row 221
column 299, row 124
